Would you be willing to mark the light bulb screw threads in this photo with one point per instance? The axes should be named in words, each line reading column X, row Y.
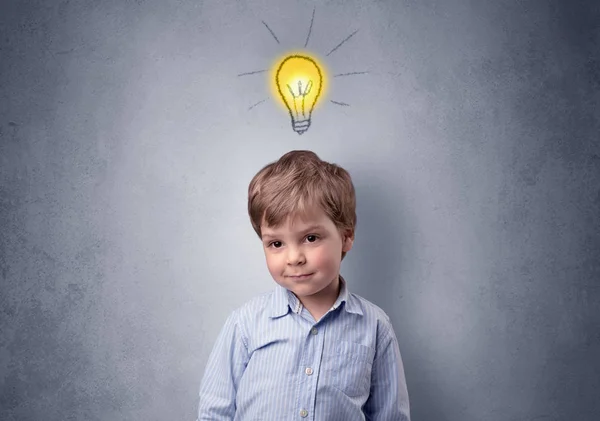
column 300, row 126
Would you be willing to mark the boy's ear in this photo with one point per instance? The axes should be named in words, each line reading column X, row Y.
column 348, row 241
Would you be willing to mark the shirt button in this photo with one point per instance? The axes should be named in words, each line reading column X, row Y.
column 314, row 331
column 308, row 371
column 304, row 413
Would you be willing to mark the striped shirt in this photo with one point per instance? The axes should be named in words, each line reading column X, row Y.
column 273, row 362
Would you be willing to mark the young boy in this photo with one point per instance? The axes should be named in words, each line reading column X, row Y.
column 310, row 349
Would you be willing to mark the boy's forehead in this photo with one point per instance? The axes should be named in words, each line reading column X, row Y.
column 313, row 218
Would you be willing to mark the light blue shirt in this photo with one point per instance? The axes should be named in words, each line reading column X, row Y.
column 273, row 362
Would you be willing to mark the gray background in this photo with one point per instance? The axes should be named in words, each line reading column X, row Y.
column 126, row 148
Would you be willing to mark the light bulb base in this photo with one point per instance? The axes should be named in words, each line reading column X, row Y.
column 301, row 126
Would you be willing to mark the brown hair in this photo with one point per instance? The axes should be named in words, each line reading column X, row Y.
column 296, row 182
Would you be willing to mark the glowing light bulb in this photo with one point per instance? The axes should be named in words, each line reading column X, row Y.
column 299, row 81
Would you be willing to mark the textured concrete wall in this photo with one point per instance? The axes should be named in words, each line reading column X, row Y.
column 126, row 148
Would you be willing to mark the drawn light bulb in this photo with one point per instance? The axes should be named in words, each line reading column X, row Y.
column 299, row 82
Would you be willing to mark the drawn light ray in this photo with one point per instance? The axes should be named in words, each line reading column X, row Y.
column 252, row 73
column 341, row 43
column 343, row 104
column 311, row 25
column 258, row 103
column 272, row 33
column 350, row 74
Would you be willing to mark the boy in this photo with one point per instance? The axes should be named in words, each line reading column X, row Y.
column 309, row 350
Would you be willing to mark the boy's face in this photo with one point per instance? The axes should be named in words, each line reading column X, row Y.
column 311, row 247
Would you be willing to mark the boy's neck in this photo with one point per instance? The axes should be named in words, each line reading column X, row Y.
column 319, row 304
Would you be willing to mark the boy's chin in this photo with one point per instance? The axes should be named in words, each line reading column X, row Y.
column 309, row 290
column 300, row 290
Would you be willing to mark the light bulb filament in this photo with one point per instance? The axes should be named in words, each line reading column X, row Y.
column 300, row 91
column 299, row 98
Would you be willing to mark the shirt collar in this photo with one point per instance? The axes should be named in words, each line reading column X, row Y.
column 283, row 301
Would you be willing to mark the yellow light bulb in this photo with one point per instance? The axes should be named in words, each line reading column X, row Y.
column 299, row 81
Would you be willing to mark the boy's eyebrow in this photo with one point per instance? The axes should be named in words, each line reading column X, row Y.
column 304, row 231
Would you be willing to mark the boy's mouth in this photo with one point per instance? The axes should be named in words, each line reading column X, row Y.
column 300, row 277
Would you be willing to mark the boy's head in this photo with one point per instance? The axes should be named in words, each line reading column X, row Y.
column 299, row 185
column 303, row 210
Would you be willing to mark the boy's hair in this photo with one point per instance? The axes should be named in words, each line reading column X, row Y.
column 297, row 182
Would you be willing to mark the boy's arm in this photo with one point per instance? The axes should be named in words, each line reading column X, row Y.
column 224, row 369
column 388, row 400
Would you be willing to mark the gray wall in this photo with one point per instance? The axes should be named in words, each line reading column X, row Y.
column 126, row 148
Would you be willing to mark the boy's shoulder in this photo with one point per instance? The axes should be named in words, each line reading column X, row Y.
column 369, row 308
column 256, row 307
column 259, row 301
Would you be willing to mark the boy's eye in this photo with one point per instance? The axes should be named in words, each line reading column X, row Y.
column 311, row 238
column 276, row 244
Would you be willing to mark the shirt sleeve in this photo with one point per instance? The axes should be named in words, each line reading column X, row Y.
column 388, row 400
column 223, row 372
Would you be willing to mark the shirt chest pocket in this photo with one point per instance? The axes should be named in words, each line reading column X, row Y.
column 348, row 368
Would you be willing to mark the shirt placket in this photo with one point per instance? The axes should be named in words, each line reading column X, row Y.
column 309, row 372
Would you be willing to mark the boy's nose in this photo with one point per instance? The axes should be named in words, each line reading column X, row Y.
column 295, row 256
